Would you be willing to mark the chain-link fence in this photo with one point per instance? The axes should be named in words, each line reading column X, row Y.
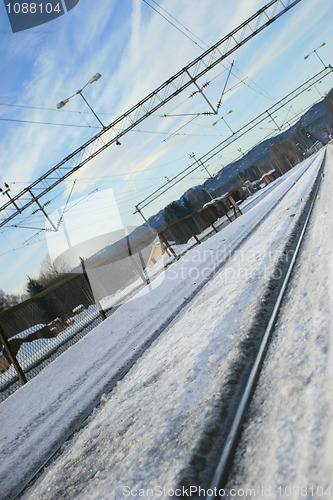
column 38, row 330
column 197, row 226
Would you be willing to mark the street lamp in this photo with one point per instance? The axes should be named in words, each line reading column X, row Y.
column 222, row 118
column 315, row 51
column 93, row 79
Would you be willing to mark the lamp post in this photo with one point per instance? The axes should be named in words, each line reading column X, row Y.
column 93, row 79
column 315, row 51
column 222, row 118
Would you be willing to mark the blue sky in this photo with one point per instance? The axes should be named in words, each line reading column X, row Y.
column 136, row 50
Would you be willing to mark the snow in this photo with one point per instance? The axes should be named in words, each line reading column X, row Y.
column 268, row 173
column 292, row 443
column 42, row 348
column 144, row 431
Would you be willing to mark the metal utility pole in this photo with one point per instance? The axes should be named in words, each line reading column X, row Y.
column 176, row 84
column 199, row 162
column 41, row 208
column 6, row 192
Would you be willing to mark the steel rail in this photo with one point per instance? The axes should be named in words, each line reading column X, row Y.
column 213, row 56
column 221, row 471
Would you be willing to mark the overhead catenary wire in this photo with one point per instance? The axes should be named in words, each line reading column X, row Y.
column 205, row 45
column 170, row 22
column 28, row 242
column 146, row 107
column 242, row 131
column 40, row 108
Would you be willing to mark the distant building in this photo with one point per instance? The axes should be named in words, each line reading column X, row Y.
column 269, row 177
column 313, row 149
column 156, row 254
column 249, row 187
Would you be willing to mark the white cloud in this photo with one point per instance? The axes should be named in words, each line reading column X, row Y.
column 135, row 50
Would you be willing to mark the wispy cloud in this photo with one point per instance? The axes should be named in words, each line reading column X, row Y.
column 135, row 50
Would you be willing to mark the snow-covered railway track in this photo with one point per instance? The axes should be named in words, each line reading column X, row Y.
column 222, row 468
column 181, row 290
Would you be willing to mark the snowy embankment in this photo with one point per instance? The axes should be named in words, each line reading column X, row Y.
column 287, row 446
column 174, row 378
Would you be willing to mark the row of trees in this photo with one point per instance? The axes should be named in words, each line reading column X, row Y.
column 8, row 300
column 49, row 275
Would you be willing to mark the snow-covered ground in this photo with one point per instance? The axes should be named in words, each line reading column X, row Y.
column 287, row 446
column 33, row 357
column 145, row 430
column 41, row 348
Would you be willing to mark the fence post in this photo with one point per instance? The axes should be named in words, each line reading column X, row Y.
column 12, row 358
column 225, row 213
column 167, row 245
column 136, row 266
column 234, row 206
column 190, row 230
column 205, row 216
column 86, row 278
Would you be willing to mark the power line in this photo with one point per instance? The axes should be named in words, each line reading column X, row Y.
column 260, row 91
column 46, row 123
column 168, row 20
column 54, row 109
column 172, row 17
column 225, row 143
column 179, row 82
column 88, row 126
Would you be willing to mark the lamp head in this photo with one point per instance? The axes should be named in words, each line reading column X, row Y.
column 94, row 78
column 63, row 103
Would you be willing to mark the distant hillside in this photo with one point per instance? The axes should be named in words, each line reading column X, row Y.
column 281, row 152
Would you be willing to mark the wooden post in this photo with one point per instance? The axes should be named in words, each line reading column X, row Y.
column 216, row 231
column 225, row 213
column 192, row 232
column 12, row 358
column 86, row 279
column 136, row 266
column 206, row 220
column 168, row 246
column 234, row 206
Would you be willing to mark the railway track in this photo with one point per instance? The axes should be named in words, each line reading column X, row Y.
column 123, row 372
column 227, row 454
